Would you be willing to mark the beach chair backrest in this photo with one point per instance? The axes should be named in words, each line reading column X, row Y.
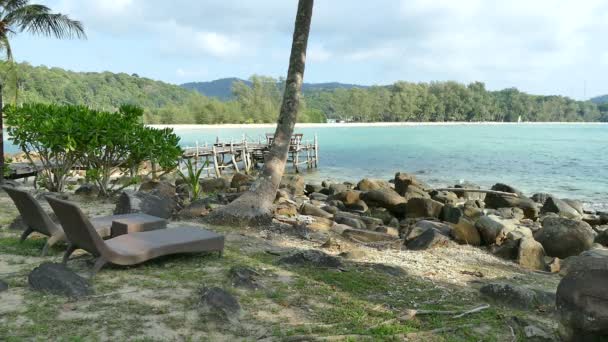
column 31, row 212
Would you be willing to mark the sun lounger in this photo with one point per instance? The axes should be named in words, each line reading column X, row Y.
column 37, row 219
column 132, row 248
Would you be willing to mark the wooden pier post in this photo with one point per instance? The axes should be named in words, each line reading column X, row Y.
column 196, row 156
column 316, row 147
column 218, row 173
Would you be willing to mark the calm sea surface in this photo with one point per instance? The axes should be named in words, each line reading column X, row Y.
column 567, row 160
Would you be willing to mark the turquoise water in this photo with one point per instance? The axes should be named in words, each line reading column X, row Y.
column 567, row 160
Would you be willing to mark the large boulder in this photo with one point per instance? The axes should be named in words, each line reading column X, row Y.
column 562, row 237
column 424, row 225
column 240, row 179
column 348, row 197
column 509, row 249
column 489, row 228
column 576, row 204
column 517, row 296
column 430, row 238
column 450, row 213
column 362, row 235
column 408, row 186
column 531, row 254
column 529, row 207
column 560, row 207
column 540, row 197
column 309, row 209
column 165, row 189
column 294, row 184
column 152, row 203
column 422, row 207
column 87, row 190
column 594, row 259
column 582, row 305
column 385, row 198
column 218, row 304
column 367, row 184
column 445, row 197
column 59, row 280
column 465, row 232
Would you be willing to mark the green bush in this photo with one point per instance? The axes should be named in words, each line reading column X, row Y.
column 104, row 143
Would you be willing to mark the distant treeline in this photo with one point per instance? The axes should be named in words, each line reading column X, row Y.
column 260, row 101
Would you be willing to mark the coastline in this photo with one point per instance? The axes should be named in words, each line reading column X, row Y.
column 371, row 124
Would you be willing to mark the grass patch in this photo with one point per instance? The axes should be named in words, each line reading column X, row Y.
column 29, row 247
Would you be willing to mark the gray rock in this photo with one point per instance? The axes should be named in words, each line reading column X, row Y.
column 507, row 188
column 422, row 207
column 367, row 184
column 219, row 304
column 575, row 204
column 309, row 209
column 350, row 221
column 244, row 277
column 593, row 220
column 582, row 305
column 310, row 188
column 511, row 213
column 508, row 250
column 59, row 280
column 424, row 225
column 594, row 259
column 359, row 206
column 3, row 286
column 294, row 184
column 214, row 184
column 450, row 213
column 347, row 197
column 88, row 190
column 331, row 209
column 445, row 197
column 529, row 207
column 318, row 196
column 337, row 187
column 311, row 257
column 531, row 254
column 563, row 209
column 540, row 197
column 385, row 198
column 430, row 238
column 360, row 235
column 468, row 195
column 602, row 238
column 489, row 228
column 517, row 296
column 562, row 237
column 151, row 203
column 472, row 209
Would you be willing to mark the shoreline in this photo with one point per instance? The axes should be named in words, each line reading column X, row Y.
column 372, row 124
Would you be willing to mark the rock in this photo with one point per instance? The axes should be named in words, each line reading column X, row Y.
column 196, row 209
column 511, row 213
column 318, row 196
column 602, row 238
column 489, row 228
column 309, row 209
column 540, row 197
column 87, row 190
column 582, row 305
column 360, row 235
column 472, row 209
column 430, row 238
column 244, row 277
column 507, row 188
column 151, row 203
column 554, row 265
column 445, row 197
column 384, row 215
column 165, row 189
column 59, row 280
column 367, row 184
column 528, row 206
column 310, row 188
column 286, row 208
column 563, row 209
column 331, row 209
column 468, row 195
column 424, row 225
column 593, row 220
column 350, row 221
column 337, row 188
column 3, row 286
column 388, row 230
column 293, row 183
column 241, row 179
column 348, row 197
column 217, row 303
column 359, row 207
column 513, row 231
column 575, row 204
column 210, row 185
column 465, row 232
column 516, row 296
column 320, row 224
column 531, row 254
column 384, row 198
column 535, row 333
column 450, row 213
column 562, row 237
column 422, row 207
column 508, row 250
column 311, row 257
column 594, row 259
column 353, row 254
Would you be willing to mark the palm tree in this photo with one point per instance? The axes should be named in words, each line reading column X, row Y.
column 255, row 206
column 18, row 16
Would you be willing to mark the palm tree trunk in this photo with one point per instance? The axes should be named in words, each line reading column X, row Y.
column 1, row 138
column 255, row 207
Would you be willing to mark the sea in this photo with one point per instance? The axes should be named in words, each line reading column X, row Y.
column 568, row 160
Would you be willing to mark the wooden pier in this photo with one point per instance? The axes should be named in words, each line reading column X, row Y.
column 244, row 155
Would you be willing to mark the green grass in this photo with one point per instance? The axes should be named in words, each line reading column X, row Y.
column 29, row 247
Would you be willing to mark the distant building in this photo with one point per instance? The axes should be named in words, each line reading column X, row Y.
column 331, row 121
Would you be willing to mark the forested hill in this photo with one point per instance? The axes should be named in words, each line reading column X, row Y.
column 222, row 88
column 600, row 99
column 258, row 99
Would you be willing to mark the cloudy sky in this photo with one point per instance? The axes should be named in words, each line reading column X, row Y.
column 539, row 46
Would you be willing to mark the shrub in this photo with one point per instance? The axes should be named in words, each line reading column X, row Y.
column 104, row 143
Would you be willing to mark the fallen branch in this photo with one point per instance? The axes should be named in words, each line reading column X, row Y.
column 477, row 309
column 493, row 192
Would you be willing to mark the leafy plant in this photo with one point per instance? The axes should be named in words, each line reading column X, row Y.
column 6, row 170
column 192, row 179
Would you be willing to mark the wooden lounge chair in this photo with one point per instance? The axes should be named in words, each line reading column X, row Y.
column 37, row 219
column 132, row 248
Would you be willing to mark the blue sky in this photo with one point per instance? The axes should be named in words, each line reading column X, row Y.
column 539, row 46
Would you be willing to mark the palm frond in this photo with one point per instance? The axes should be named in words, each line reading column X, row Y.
column 5, row 46
column 38, row 19
column 11, row 5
